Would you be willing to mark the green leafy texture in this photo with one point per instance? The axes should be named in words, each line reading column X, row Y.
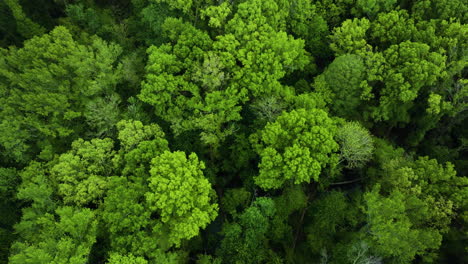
column 45, row 87
column 350, row 37
column 437, row 184
column 265, row 53
column 411, row 66
column 171, row 84
column 245, row 240
column 307, row 23
column 295, row 148
column 394, row 235
column 290, row 201
column 10, row 208
column 24, row 25
column 184, row 5
column 217, row 14
column 134, row 228
column 411, row 62
column 180, row 193
column 334, row 11
column 94, row 20
column 139, row 144
column 37, row 187
column 128, row 220
column 331, row 215
column 146, row 24
column 233, row 199
column 219, row 76
column 132, row 133
column 207, row 259
column 392, row 28
column 440, row 9
column 81, row 174
column 9, row 181
column 65, row 240
column 273, row 12
column 308, row 101
column 344, row 84
column 267, row 109
column 371, row 8
column 356, row 144
column 414, row 207
column 199, row 84
column 451, row 38
column 126, row 259
column 102, row 114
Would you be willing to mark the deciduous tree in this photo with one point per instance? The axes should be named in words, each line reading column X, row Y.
column 295, row 148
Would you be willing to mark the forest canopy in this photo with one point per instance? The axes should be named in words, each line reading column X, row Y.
column 241, row 131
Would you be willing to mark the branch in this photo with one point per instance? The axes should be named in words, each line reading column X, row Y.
column 309, row 198
column 346, row 182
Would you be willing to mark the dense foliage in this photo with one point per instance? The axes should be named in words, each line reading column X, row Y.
column 242, row 131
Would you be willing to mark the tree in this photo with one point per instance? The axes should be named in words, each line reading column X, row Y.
column 126, row 259
column 391, row 228
column 295, row 148
column 306, row 22
column 440, row 9
column 234, row 199
column 81, row 174
column 245, row 240
column 290, row 210
column 334, row 11
column 198, row 84
column 181, row 102
column 446, row 100
column 392, row 28
column 359, row 253
column 139, row 144
column 132, row 188
column 129, row 221
column 356, row 144
column 344, row 85
column 90, row 17
column 400, row 65
column 25, row 26
column 266, row 54
column 350, row 37
column 45, row 87
column 246, row 131
column 412, row 206
column 10, row 208
column 102, row 114
column 331, row 215
column 147, row 218
column 180, row 194
column 371, row 8
column 217, row 14
column 412, row 67
column 66, row 240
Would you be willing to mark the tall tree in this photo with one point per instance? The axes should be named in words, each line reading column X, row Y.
column 45, row 87
column 412, row 206
column 295, row 148
column 66, row 240
column 181, row 195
